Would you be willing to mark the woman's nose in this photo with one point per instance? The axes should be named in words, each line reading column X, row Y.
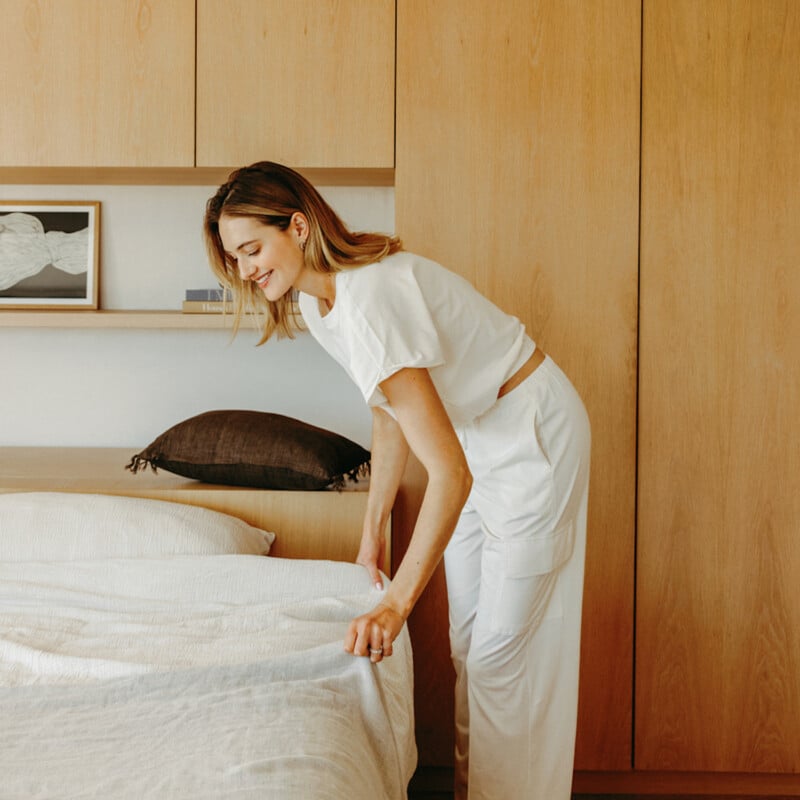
column 246, row 268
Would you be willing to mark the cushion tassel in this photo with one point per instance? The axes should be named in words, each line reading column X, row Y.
column 138, row 462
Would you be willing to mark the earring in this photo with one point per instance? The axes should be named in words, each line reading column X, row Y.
column 303, row 245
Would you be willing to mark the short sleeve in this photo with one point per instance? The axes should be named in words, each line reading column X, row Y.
column 390, row 326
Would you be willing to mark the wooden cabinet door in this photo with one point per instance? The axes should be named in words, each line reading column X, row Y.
column 718, row 605
column 309, row 83
column 518, row 166
column 87, row 83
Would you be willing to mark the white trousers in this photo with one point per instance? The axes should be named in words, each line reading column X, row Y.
column 514, row 570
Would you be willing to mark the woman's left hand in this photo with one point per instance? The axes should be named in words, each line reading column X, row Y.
column 372, row 634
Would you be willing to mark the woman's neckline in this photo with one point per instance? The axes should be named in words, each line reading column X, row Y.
column 325, row 309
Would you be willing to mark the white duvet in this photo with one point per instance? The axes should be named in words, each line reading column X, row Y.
column 196, row 677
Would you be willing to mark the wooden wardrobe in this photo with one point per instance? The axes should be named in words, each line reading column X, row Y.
column 518, row 166
column 625, row 177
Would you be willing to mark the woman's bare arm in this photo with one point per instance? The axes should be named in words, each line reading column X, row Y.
column 426, row 427
column 389, row 457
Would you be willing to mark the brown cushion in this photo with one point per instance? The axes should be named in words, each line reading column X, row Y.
column 255, row 448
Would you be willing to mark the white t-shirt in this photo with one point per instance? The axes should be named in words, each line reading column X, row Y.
column 408, row 311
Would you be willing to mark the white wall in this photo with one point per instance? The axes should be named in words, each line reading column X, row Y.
column 121, row 388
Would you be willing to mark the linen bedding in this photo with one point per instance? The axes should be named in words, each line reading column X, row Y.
column 195, row 675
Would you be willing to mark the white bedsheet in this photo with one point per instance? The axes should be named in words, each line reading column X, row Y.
column 196, row 677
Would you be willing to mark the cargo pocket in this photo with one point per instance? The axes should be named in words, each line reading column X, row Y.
column 525, row 572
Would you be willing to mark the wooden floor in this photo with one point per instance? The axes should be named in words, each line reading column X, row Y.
column 672, row 797
column 434, row 786
column 430, row 783
column 436, row 794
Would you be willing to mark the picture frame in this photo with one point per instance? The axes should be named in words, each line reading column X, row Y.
column 49, row 254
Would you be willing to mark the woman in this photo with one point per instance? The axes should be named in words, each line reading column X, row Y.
column 504, row 439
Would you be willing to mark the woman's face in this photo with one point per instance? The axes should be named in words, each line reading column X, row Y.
column 265, row 254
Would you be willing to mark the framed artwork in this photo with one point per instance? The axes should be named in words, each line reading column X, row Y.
column 49, row 254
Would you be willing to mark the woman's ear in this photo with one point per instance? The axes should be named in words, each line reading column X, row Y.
column 299, row 225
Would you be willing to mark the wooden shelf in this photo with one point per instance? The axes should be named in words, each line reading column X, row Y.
column 115, row 319
column 183, row 176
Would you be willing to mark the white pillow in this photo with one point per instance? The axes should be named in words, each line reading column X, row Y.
column 63, row 526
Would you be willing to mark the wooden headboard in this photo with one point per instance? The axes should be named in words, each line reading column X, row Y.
column 324, row 525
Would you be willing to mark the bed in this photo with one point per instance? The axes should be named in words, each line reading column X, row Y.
column 150, row 649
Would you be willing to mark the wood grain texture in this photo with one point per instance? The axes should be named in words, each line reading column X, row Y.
column 96, row 84
column 428, row 627
column 718, row 611
column 517, row 166
column 308, row 82
column 183, row 176
column 677, row 785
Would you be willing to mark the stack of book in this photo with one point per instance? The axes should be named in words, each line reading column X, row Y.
column 207, row 301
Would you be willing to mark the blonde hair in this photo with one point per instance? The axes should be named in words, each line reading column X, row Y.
column 272, row 193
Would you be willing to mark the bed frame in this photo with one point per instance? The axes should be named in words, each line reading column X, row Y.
column 324, row 524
